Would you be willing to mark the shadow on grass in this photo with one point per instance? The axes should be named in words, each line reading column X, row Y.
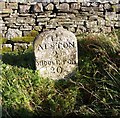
column 20, row 113
column 10, row 112
column 25, row 60
column 24, row 113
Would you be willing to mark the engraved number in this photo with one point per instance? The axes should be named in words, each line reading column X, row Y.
column 52, row 69
column 57, row 69
column 55, row 53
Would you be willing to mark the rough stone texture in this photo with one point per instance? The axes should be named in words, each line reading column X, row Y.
column 24, row 8
column 38, row 28
column 2, row 25
column 24, row 20
column 107, row 7
column 11, row 33
column 94, row 4
column 75, row 16
column 117, row 24
column 101, row 22
column 23, row 1
column 49, row 7
column 18, row 46
column 111, row 16
column 93, row 18
column 84, row 4
column 2, row 5
column 64, row 7
column 6, row 11
column 56, row 53
column 25, row 28
column 101, row 7
column 75, row 6
column 10, row 20
column 12, row 5
column 38, row 7
column 86, row 9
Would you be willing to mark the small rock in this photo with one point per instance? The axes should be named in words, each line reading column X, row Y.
column 12, row 5
column 37, row 28
column 75, row 6
column 64, row 7
column 11, row 33
column 38, row 7
column 49, row 7
column 24, row 8
column 26, row 28
column 7, row 11
column 2, row 5
column 107, row 7
column 101, row 7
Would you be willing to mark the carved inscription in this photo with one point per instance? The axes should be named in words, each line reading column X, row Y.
column 56, row 62
column 57, row 45
column 56, row 53
column 57, row 69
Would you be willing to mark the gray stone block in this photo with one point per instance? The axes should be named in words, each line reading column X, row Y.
column 56, row 54
column 49, row 7
column 38, row 7
column 24, row 8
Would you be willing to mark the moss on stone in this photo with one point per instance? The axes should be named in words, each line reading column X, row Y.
column 28, row 38
column 5, row 50
column 33, row 33
column 2, row 39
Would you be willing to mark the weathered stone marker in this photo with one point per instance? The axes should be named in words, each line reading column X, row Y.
column 56, row 53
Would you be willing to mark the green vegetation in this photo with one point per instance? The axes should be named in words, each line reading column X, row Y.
column 5, row 49
column 2, row 40
column 28, row 38
column 93, row 91
column 23, row 39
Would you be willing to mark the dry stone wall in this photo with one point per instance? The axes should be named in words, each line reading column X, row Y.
column 23, row 1
column 18, row 19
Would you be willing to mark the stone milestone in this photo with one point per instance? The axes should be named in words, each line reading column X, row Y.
column 56, row 55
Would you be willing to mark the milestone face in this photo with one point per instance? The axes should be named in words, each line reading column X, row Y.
column 56, row 54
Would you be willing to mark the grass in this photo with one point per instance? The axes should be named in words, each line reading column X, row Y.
column 25, row 39
column 92, row 92
column 2, row 40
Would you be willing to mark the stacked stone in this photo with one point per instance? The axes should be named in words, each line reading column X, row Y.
column 18, row 19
